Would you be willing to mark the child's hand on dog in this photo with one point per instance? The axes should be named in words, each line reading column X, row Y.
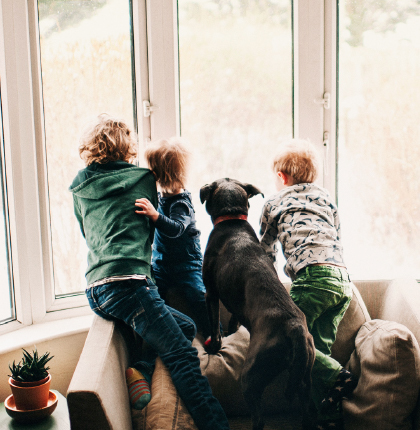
column 146, row 208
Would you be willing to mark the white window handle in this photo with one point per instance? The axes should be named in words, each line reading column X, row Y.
column 148, row 108
column 325, row 101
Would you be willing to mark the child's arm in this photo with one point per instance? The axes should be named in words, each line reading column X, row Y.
column 337, row 224
column 177, row 222
column 268, row 232
column 174, row 225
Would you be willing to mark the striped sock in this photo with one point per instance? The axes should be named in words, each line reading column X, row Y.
column 138, row 388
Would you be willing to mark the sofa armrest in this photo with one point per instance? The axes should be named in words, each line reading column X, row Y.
column 397, row 300
column 97, row 395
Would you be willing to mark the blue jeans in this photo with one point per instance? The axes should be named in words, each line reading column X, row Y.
column 138, row 304
column 190, row 291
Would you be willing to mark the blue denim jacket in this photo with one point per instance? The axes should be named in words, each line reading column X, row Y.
column 176, row 246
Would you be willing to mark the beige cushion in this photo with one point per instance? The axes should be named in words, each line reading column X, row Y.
column 387, row 362
column 355, row 316
column 223, row 371
column 166, row 410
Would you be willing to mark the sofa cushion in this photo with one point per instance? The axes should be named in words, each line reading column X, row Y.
column 223, row 371
column 166, row 410
column 355, row 316
column 387, row 362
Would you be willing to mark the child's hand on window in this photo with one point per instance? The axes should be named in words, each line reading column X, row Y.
column 146, row 208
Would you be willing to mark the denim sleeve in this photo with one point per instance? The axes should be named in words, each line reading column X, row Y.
column 177, row 222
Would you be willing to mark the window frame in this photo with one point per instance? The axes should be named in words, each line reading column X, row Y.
column 25, row 160
column 155, row 33
column 314, row 46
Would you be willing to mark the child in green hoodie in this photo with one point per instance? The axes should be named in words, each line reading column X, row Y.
column 119, row 265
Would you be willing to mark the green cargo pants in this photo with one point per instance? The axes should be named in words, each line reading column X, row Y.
column 323, row 294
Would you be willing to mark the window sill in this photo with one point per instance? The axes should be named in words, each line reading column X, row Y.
column 38, row 333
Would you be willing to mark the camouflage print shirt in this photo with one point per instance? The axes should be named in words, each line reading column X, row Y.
column 305, row 221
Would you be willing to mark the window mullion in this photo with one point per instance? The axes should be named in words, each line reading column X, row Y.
column 330, row 85
column 162, row 37
column 308, row 35
column 21, row 166
column 141, row 68
column 39, row 130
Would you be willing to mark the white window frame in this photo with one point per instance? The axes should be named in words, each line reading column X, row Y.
column 155, row 28
column 314, row 34
column 25, row 160
column 162, row 37
column 314, row 41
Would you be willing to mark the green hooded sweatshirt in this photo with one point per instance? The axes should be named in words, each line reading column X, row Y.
column 119, row 240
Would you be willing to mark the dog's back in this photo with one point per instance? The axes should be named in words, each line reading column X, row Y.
column 237, row 270
column 249, row 287
column 245, row 277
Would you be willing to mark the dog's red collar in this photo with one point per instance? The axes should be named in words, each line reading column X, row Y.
column 227, row 217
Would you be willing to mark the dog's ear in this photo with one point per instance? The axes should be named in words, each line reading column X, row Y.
column 206, row 191
column 251, row 190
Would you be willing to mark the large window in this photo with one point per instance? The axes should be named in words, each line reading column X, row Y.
column 379, row 135
column 235, row 69
column 86, row 63
column 234, row 78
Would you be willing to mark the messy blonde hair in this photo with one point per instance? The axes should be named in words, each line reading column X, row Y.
column 299, row 159
column 107, row 139
column 168, row 160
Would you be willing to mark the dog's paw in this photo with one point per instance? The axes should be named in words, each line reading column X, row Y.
column 211, row 346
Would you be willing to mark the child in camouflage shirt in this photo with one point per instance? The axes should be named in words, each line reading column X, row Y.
column 304, row 220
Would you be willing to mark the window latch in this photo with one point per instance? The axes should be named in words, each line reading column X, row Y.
column 326, row 143
column 148, row 108
column 325, row 101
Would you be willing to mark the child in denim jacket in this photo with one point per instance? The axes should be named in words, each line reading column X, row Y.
column 176, row 256
column 120, row 285
column 303, row 218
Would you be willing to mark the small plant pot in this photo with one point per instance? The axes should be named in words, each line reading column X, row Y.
column 31, row 395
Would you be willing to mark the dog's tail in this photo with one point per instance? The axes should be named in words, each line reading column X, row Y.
column 301, row 366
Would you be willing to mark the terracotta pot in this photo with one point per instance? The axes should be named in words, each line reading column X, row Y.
column 31, row 395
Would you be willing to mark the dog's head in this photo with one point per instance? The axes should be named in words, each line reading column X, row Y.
column 227, row 197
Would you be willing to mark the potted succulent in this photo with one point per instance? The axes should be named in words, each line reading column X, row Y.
column 30, row 381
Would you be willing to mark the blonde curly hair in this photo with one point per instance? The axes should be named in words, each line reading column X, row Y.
column 107, row 139
column 168, row 160
column 299, row 159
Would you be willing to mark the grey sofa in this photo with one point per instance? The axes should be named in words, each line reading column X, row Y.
column 377, row 339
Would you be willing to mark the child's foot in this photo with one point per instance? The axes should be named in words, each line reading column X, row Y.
column 344, row 386
column 138, row 388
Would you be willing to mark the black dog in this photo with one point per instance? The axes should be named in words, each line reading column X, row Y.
column 237, row 271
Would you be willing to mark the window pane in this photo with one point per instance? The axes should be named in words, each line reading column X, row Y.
column 379, row 137
column 6, row 294
column 86, row 66
column 235, row 91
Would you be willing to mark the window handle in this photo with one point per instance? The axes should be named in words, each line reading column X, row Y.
column 325, row 101
column 326, row 143
column 148, row 108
